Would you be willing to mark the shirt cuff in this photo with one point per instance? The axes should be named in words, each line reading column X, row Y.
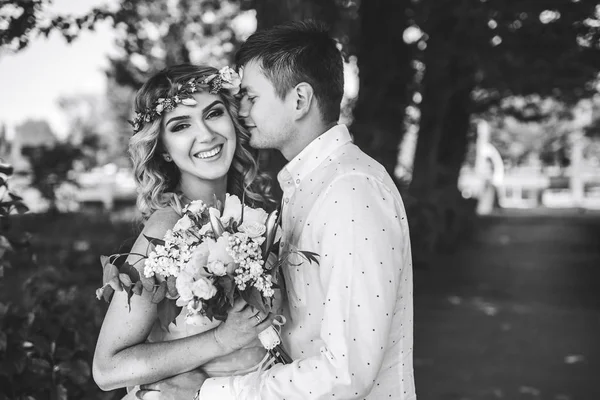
column 217, row 389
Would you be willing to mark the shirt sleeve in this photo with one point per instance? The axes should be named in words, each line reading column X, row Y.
column 362, row 242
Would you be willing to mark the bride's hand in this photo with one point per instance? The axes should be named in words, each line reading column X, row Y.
column 242, row 326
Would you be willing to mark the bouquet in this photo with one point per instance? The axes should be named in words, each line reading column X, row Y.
column 211, row 257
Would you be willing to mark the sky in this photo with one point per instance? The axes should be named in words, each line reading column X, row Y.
column 32, row 79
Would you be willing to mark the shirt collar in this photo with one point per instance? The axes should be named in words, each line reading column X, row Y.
column 313, row 155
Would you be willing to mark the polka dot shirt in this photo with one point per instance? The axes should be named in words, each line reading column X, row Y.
column 350, row 325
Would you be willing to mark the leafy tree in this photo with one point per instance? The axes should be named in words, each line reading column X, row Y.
column 478, row 54
column 51, row 167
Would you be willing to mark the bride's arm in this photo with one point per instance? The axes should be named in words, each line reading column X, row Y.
column 122, row 358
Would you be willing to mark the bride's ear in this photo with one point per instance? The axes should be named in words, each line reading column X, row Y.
column 167, row 157
column 303, row 98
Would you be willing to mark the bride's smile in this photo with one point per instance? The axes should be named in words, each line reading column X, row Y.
column 200, row 139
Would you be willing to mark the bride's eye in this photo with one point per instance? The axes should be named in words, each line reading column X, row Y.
column 217, row 112
column 179, row 127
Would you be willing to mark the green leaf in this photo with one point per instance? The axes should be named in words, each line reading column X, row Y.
column 104, row 260
column 77, row 371
column 167, row 313
column 228, row 285
column 110, row 272
column 160, row 293
column 107, row 293
column 61, row 392
column 155, row 241
column 137, row 288
column 147, row 283
column 125, row 280
column 171, row 289
column 131, row 271
column 310, row 256
column 253, row 297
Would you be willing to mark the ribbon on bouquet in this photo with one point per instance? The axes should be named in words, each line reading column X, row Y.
column 271, row 340
column 270, row 337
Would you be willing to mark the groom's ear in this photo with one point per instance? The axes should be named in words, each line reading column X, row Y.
column 303, row 98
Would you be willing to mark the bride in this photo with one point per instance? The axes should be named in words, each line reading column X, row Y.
column 188, row 145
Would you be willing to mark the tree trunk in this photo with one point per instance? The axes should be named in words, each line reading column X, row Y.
column 455, row 213
column 453, row 142
column 436, row 95
column 384, row 61
column 447, row 72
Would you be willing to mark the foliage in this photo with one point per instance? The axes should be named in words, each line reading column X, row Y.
column 50, row 168
column 48, row 319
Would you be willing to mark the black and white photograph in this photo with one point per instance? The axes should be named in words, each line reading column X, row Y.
column 299, row 199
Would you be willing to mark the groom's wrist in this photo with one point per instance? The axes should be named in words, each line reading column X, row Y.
column 220, row 388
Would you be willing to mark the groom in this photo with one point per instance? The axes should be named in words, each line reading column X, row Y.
column 350, row 329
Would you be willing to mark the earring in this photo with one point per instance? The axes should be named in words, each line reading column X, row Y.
column 167, row 158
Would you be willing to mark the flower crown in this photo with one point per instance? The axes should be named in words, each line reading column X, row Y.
column 225, row 79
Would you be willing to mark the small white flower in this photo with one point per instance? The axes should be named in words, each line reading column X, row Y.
column 196, row 207
column 232, row 209
column 183, row 224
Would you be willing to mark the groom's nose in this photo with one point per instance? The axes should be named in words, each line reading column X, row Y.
column 244, row 107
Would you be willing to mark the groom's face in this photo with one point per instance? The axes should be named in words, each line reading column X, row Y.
column 266, row 115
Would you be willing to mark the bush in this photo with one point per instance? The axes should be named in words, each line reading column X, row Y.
column 49, row 316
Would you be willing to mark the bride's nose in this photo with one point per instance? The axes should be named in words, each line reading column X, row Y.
column 204, row 134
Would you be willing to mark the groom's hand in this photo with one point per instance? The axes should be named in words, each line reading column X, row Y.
column 178, row 387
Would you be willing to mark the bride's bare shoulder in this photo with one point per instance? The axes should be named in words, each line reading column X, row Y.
column 160, row 222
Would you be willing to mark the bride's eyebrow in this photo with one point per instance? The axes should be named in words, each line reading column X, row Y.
column 204, row 110
column 178, row 118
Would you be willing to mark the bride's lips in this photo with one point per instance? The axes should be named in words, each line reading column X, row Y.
column 210, row 153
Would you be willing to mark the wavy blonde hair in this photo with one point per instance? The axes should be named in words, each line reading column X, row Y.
column 157, row 180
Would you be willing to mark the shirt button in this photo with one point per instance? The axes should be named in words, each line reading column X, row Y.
column 286, row 200
column 298, row 181
column 281, row 244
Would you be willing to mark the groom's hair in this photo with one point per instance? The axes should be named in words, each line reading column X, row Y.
column 299, row 51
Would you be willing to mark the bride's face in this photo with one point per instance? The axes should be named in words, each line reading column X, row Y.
column 200, row 139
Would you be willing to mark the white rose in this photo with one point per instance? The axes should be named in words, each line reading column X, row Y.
column 217, row 267
column 183, row 283
column 198, row 260
column 205, row 229
column 218, row 250
column 196, row 207
column 255, row 215
column 183, row 224
column 232, row 209
column 204, row 289
column 252, row 229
